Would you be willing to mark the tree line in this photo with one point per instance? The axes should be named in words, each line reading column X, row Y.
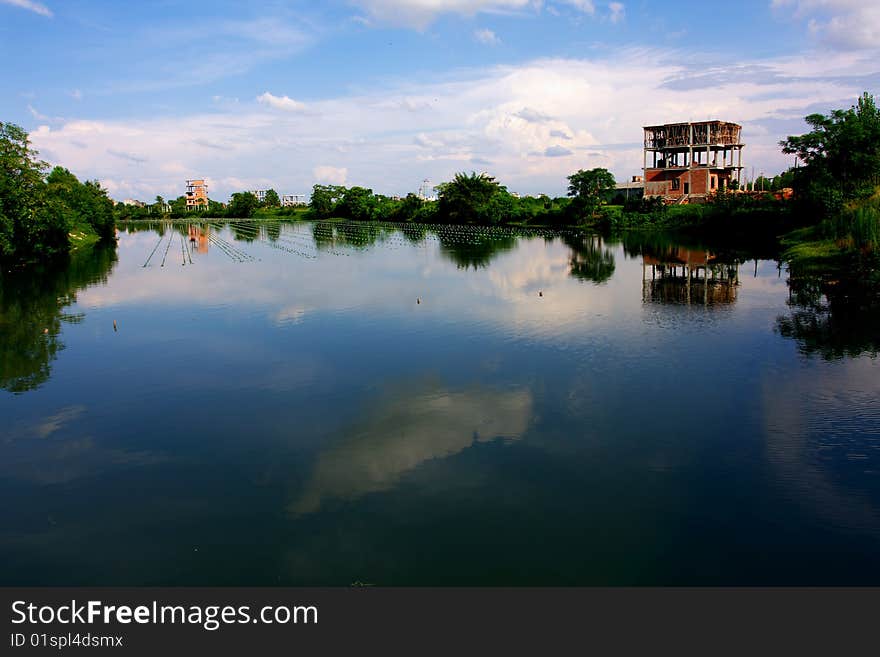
column 469, row 198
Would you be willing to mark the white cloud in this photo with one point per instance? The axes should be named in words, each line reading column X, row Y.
column 557, row 151
column 487, row 37
column 218, row 50
column 36, row 7
column 330, row 175
column 586, row 6
column 839, row 24
column 617, row 12
column 396, row 134
column 420, row 13
column 36, row 114
column 283, row 103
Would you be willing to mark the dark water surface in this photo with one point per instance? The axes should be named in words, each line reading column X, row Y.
column 331, row 404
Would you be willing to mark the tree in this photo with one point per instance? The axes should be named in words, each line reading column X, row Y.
column 357, row 203
column 588, row 188
column 841, row 155
column 159, row 205
column 85, row 203
column 408, row 208
column 178, row 206
column 242, row 205
column 25, row 228
column 271, row 199
column 324, row 198
column 474, row 198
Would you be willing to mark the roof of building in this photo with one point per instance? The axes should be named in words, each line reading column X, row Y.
column 681, row 123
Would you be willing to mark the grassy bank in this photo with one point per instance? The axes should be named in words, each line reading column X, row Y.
column 849, row 236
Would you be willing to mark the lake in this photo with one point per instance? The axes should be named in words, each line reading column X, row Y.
column 339, row 403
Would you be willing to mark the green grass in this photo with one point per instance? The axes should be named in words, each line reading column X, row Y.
column 82, row 237
column 806, row 249
column 290, row 214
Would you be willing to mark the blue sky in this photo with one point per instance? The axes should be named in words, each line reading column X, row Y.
column 386, row 93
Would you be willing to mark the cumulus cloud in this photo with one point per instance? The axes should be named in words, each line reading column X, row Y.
column 557, row 151
column 532, row 115
column 839, row 24
column 487, row 37
column 36, row 7
column 284, row 103
column 330, row 175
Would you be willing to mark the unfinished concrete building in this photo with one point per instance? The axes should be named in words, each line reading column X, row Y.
column 196, row 194
column 688, row 162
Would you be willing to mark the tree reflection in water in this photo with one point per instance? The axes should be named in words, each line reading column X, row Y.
column 477, row 251
column 590, row 259
column 834, row 316
column 32, row 310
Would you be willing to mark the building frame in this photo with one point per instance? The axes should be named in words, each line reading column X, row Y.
column 684, row 162
column 196, row 194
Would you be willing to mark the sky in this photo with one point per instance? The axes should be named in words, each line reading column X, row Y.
column 388, row 93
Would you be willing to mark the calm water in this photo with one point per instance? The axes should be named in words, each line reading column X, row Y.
column 320, row 404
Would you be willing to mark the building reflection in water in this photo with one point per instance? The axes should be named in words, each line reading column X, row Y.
column 688, row 276
column 198, row 237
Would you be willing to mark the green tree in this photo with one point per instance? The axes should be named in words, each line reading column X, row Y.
column 841, row 155
column 84, row 203
column 178, row 206
column 271, row 199
column 357, row 203
column 324, row 198
column 587, row 189
column 242, row 205
column 474, row 198
column 408, row 209
column 27, row 227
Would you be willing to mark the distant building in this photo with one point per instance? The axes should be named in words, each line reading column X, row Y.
column 134, row 202
column 289, row 200
column 260, row 194
column 632, row 190
column 685, row 162
column 196, row 194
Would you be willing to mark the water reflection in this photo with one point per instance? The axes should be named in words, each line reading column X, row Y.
column 329, row 235
column 32, row 313
column 590, row 259
column 518, row 425
column 833, row 317
column 680, row 275
column 476, row 251
column 823, row 439
column 407, row 427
